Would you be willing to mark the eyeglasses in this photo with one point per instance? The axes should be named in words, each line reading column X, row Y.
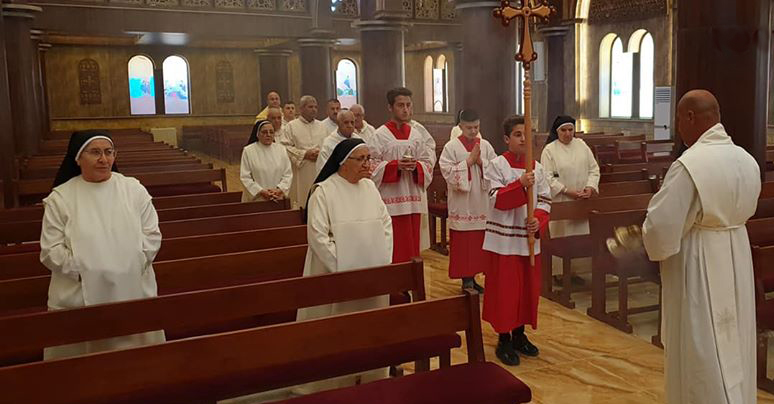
column 97, row 153
column 361, row 160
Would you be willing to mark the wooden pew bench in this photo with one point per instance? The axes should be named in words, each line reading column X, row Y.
column 624, row 176
column 242, row 362
column 763, row 263
column 50, row 172
column 238, row 307
column 24, row 265
column 653, row 167
column 578, row 246
column 609, row 189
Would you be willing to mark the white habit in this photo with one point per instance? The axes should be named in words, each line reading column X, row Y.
column 348, row 228
column 264, row 167
column 367, row 132
column 468, row 198
column 330, row 126
column 99, row 241
column 328, row 145
column 569, row 167
column 696, row 228
column 299, row 136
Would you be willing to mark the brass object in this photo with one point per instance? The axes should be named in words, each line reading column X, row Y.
column 626, row 242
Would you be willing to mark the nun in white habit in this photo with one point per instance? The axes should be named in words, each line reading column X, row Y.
column 348, row 227
column 265, row 170
column 99, row 237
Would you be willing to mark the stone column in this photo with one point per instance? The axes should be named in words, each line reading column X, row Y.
column 725, row 49
column 382, row 47
column 273, row 73
column 490, row 68
column 37, row 93
column 459, row 78
column 46, row 120
column 316, row 73
column 555, row 77
column 7, row 150
column 19, row 51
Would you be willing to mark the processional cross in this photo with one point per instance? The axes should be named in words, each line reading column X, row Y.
column 526, row 55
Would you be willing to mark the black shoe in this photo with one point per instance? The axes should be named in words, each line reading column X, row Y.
column 506, row 354
column 521, row 344
column 478, row 288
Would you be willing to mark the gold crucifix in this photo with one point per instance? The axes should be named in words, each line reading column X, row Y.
column 526, row 56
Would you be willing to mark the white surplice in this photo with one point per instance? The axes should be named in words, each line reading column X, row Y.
column 505, row 232
column 405, row 196
column 348, row 228
column 328, row 144
column 298, row 137
column 696, row 228
column 468, row 190
column 264, row 167
column 99, row 241
column 366, row 132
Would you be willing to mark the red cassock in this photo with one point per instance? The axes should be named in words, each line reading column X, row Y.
column 466, row 257
column 512, row 286
column 405, row 237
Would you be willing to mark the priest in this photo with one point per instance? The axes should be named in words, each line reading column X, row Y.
column 346, row 130
column 332, row 109
column 362, row 128
column 348, row 228
column 288, row 112
column 695, row 228
column 302, row 138
column 463, row 162
column 272, row 101
column 404, row 157
column 99, row 236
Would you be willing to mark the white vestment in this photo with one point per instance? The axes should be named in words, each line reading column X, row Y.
column 367, row 132
column 696, row 228
column 405, row 196
column 569, row 167
column 328, row 144
column 99, row 241
column 456, row 132
column 468, row 190
column 298, row 137
column 330, row 126
column 348, row 228
column 264, row 167
column 506, row 231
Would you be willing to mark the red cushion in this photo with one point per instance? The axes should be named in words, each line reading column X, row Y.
column 480, row 383
column 765, row 315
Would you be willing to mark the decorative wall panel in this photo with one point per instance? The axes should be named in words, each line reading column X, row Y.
column 88, row 82
column 612, row 11
column 224, row 82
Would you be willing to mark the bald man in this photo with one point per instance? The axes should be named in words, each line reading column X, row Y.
column 302, row 137
column 272, row 101
column 274, row 115
column 695, row 228
column 362, row 128
column 346, row 129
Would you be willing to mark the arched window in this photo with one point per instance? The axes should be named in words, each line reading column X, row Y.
column 428, row 70
column 605, row 53
column 176, row 99
column 142, row 94
column 644, row 51
column 620, row 81
column 440, row 85
column 346, row 83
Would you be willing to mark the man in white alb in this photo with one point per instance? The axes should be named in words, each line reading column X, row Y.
column 346, row 130
column 288, row 112
column 696, row 228
column 302, row 137
column 332, row 108
column 362, row 128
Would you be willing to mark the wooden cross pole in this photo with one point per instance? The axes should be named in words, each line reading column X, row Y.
column 526, row 55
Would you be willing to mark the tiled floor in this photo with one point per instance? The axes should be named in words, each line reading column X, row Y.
column 582, row 361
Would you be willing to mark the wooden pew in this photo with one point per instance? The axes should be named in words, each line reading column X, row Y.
column 242, row 362
column 156, row 183
column 23, row 265
column 16, row 232
column 50, row 172
column 30, row 294
column 579, row 246
column 628, row 188
column 164, row 202
column 653, row 167
column 624, row 176
column 191, row 314
column 603, row 263
column 767, row 190
column 763, row 263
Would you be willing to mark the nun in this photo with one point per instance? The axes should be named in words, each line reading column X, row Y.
column 99, row 237
column 265, row 169
column 573, row 173
column 348, row 227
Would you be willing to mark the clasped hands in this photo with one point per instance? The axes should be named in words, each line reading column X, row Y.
column 475, row 156
column 312, row 154
column 586, row 193
column 407, row 164
column 274, row 194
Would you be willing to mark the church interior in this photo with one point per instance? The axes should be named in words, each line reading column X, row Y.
column 178, row 85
